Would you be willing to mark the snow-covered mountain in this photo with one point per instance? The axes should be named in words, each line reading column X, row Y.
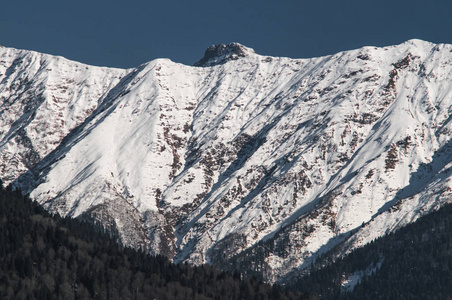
column 254, row 162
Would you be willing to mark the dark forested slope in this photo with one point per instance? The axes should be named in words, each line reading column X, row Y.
column 415, row 262
column 48, row 257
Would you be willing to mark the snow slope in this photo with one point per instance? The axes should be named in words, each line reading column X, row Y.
column 244, row 161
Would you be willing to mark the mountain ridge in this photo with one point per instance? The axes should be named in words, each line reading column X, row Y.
column 259, row 162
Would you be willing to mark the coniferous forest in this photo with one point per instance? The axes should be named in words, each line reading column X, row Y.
column 43, row 256
column 415, row 262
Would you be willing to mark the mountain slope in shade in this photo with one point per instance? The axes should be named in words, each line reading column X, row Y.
column 244, row 160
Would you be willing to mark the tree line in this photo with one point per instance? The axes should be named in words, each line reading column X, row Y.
column 44, row 256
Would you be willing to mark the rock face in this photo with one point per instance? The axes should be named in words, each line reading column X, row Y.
column 244, row 161
column 220, row 54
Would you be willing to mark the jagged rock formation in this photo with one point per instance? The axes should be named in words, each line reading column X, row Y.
column 257, row 162
column 220, row 54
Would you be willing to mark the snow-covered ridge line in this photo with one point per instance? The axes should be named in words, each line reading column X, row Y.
column 254, row 162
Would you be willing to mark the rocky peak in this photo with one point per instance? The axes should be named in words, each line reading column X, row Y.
column 221, row 53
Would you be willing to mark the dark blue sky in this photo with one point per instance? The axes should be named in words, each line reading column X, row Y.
column 128, row 33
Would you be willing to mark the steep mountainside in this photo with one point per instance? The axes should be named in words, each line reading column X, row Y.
column 243, row 160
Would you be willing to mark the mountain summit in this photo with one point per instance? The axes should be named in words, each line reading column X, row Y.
column 221, row 53
column 260, row 164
